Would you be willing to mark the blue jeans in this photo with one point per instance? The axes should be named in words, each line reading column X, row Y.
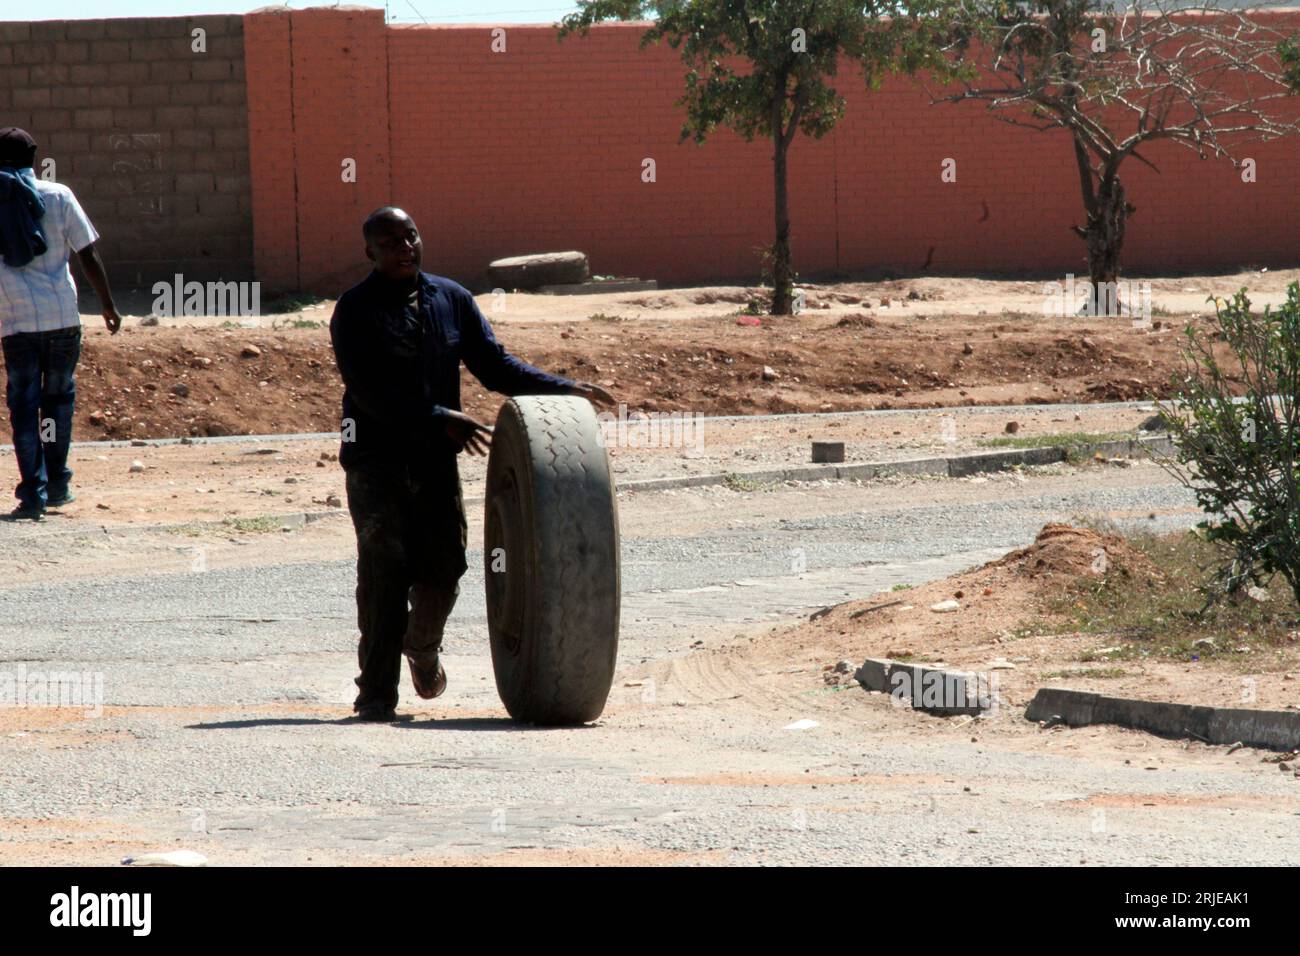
column 41, row 395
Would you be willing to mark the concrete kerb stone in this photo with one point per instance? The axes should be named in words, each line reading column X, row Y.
column 1269, row 729
column 934, row 690
column 957, row 466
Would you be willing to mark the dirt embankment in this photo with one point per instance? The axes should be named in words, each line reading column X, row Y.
column 1004, row 624
column 164, row 382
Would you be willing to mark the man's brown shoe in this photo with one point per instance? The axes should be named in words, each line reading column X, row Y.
column 428, row 677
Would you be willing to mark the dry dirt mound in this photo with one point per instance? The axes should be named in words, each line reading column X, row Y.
column 169, row 381
column 1063, row 551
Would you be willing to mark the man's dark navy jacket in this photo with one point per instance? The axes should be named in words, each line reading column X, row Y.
column 398, row 379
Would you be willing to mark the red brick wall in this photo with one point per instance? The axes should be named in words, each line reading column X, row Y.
column 540, row 148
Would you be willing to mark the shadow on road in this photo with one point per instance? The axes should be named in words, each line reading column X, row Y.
column 404, row 722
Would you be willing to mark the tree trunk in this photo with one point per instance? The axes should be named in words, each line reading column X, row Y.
column 1104, row 240
column 782, row 283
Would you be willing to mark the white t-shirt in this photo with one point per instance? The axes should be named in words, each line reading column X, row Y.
column 42, row 296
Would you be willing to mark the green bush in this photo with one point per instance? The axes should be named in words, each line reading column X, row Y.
column 1235, row 424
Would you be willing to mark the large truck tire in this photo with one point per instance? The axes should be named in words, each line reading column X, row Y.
column 551, row 561
column 533, row 272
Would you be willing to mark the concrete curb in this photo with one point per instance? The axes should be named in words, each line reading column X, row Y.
column 935, row 690
column 1270, row 729
column 958, row 466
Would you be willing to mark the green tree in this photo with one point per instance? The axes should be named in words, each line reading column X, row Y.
column 1236, row 428
column 763, row 68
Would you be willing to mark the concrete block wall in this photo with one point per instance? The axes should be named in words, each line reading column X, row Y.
column 151, row 135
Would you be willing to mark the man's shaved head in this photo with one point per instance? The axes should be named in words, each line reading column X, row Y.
column 381, row 217
column 393, row 244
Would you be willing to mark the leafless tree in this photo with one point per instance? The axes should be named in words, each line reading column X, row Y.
column 1201, row 75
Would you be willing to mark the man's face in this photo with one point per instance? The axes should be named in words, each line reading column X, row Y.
column 395, row 249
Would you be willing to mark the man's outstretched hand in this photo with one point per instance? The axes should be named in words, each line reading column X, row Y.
column 595, row 394
column 112, row 320
column 466, row 434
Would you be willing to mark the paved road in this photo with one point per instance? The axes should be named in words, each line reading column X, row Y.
column 224, row 695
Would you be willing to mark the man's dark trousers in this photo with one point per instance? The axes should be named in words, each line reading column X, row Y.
column 41, row 394
column 411, row 538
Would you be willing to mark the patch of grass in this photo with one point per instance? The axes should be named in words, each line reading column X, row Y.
column 602, row 317
column 1168, row 619
column 752, row 307
column 900, row 587
column 299, row 324
column 189, row 530
column 1097, row 673
column 253, row 525
column 1069, row 439
column 741, row 483
column 1030, row 629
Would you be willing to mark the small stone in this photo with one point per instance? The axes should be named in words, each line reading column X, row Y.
column 250, row 351
column 149, row 322
column 137, row 467
column 1257, row 594
column 139, row 443
column 333, row 501
column 291, row 481
column 945, row 607
column 1012, row 428
column 769, row 374
column 180, row 389
column 967, row 350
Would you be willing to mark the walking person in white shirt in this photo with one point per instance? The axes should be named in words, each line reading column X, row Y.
column 41, row 226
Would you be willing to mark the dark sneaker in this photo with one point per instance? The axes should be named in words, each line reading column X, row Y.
column 427, row 676
column 377, row 712
column 66, row 498
column 25, row 513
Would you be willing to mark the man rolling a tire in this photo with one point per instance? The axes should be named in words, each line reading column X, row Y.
column 399, row 339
